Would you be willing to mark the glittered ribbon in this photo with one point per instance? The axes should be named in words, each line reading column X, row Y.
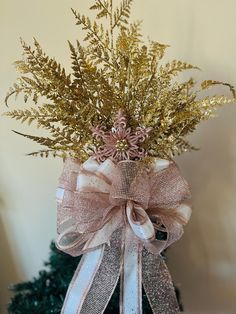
column 110, row 212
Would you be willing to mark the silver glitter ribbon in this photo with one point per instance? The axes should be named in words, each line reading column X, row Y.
column 110, row 212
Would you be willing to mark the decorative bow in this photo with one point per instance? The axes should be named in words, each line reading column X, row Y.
column 111, row 212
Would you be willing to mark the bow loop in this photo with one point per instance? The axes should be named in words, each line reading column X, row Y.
column 168, row 188
column 139, row 222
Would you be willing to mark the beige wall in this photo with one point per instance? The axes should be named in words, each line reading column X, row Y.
column 201, row 32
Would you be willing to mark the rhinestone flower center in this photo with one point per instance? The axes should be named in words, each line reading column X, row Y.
column 122, row 145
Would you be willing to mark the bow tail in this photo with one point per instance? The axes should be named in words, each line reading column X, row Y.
column 131, row 275
column 82, row 281
column 95, row 279
column 158, row 285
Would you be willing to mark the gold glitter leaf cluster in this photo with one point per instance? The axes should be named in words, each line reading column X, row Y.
column 112, row 70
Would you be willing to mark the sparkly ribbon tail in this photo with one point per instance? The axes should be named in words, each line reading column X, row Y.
column 95, row 279
column 158, row 285
column 131, row 276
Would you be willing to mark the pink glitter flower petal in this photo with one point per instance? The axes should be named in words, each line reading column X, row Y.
column 120, row 143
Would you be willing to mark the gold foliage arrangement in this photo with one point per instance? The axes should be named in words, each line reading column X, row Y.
column 113, row 70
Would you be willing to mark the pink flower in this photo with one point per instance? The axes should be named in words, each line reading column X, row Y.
column 120, row 143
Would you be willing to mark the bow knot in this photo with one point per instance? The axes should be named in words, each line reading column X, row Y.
column 131, row 182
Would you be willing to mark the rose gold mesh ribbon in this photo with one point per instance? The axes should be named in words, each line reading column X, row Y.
column 111, row 213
